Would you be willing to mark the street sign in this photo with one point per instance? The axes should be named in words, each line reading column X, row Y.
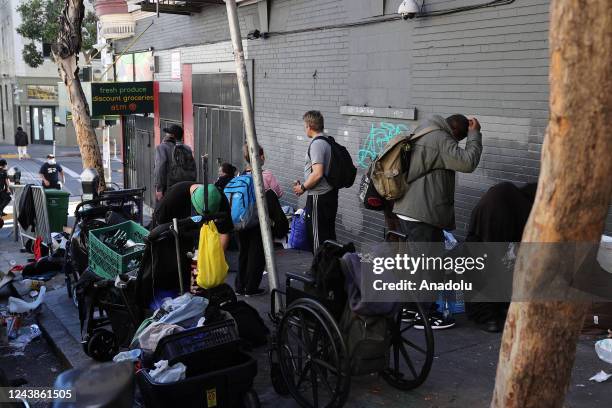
column 121, row 98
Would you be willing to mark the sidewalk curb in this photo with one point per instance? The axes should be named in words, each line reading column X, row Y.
column 68, row 350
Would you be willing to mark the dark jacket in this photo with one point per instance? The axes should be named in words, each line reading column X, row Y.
column 163, row 156
column 21, row 138
column 27, row 211
column 501, row 213
column 435, row 158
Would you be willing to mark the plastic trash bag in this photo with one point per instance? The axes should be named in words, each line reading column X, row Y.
column 604, row 255
column 603, row 348
column 212, row 266
column 132, row 355
column 21, row 306
column 166, row 374
column 298, row 235
column 600, row 377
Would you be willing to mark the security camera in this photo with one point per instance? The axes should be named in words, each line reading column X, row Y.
column 408, row 9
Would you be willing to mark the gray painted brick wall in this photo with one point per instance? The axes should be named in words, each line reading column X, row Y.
column 490, row 63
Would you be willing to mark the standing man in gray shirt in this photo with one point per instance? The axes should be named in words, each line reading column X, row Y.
column 322, row 198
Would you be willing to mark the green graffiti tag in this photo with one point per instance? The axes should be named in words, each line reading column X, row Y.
column 376, row 140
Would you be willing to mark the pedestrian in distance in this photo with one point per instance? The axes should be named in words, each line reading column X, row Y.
column 322, row 197
column 5, row 194
column 51, row 172
column 174, row 162
column 21, row 141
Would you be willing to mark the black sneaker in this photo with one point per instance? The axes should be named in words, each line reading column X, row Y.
column 437, row 320
column 256, row 292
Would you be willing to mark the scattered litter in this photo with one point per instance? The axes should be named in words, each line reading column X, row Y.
column 12, row 262
column 166, row 374
column 13, row 323
column 132, row 355
column 603, row 348
column 5, row 279
column 580, row 385
column 201, row 321
column 21, row 306
column 27, row 334
column 600, row 377
column 23, row 286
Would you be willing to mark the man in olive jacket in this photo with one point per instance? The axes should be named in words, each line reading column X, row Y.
column 428, row 207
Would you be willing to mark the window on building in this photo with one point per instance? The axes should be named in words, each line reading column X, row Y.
column 46, row 50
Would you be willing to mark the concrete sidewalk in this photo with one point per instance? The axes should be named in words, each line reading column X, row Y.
column 463, row 373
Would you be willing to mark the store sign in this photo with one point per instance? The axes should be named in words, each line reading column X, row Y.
column 121, row 98
column 42, row 92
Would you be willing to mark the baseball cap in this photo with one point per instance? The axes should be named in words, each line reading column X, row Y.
column 214, row 199
column 50, row 156
column 175, row 130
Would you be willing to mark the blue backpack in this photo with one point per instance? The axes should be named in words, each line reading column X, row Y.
column 240, row 193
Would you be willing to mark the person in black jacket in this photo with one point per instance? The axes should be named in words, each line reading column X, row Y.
column 226, row 173
column 5, row 195
column 499, row 216
column 21, row 141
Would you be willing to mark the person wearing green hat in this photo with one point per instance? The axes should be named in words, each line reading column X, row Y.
column 183, row 200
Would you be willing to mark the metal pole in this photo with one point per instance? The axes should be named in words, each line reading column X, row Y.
column 249, row 124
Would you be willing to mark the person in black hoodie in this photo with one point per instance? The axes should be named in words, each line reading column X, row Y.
column 21, row 141
column 226, row 173
column 5, row 194
column 499, row 216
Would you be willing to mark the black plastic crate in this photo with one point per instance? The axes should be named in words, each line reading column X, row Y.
column 209, row 344
column 210, row 387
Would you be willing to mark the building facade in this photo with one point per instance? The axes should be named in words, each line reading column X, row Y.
column 29, row 95
column 370, row 73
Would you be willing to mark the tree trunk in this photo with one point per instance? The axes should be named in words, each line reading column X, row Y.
column 66, row 54
column 539, row 342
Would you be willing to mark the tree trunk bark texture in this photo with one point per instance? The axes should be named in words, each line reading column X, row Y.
column 574, row 190
column 66, row 54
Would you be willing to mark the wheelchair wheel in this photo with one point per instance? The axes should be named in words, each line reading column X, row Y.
column 312, row 355
column 412, row 352
column 102, row 345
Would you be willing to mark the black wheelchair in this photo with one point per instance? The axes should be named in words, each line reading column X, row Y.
column 310, row 355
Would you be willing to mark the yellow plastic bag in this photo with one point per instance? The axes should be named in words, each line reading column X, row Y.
column 212, row 266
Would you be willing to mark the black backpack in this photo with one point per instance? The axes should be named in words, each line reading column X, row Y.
column 342, row 171
column 251, row 327
column 182, row 166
